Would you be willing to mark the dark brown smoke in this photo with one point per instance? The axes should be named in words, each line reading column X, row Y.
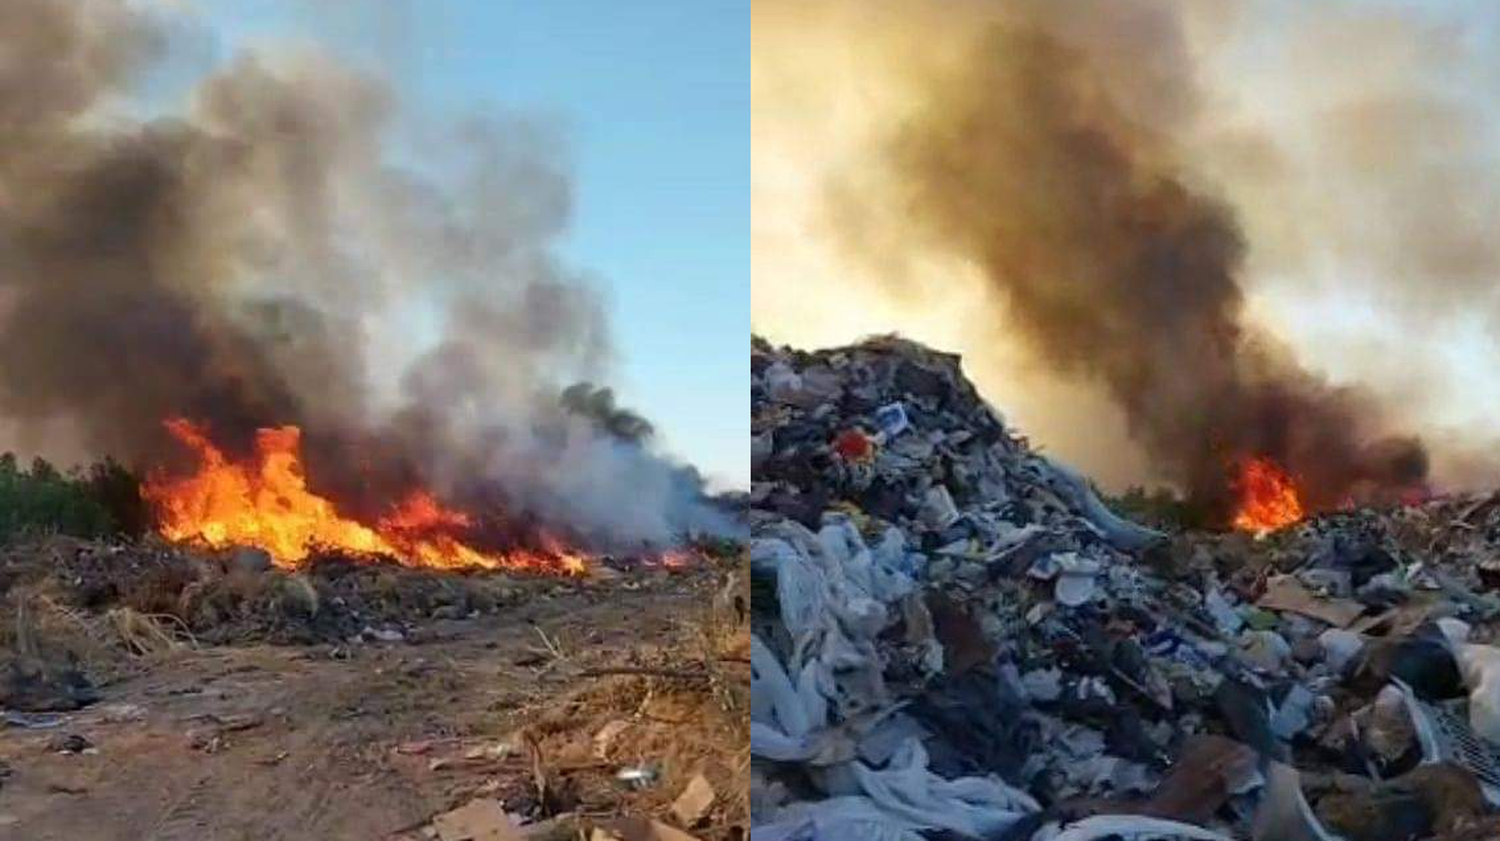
column 260, row 259
column 1022, row 158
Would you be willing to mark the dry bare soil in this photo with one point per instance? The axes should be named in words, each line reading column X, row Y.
column 538, row 703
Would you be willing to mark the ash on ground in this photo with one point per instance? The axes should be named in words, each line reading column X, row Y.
column 955, row 638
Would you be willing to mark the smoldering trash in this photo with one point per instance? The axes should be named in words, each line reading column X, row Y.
column 958, row 638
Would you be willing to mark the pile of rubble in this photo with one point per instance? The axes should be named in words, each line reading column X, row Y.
column 79, row 612
column 955, row 638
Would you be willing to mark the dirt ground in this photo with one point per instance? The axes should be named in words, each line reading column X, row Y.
column 538, row 705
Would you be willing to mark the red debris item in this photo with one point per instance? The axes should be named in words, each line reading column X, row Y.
column 854, row 445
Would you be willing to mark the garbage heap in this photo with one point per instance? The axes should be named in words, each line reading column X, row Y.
column 956, row 639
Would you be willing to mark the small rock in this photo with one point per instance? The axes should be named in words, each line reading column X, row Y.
column 30, row 685
column 241, row 721
column 206, row 739
column 122, row 713
column 69, row 743
column 382, row 634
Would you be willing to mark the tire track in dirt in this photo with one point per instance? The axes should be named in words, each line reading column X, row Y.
column 323, row 761
column 189, row 818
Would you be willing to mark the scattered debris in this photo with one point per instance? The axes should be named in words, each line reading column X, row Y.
column 415, row 748
column 120, row 713
column 1285, row 592
column 28, row 684
column 70, row 743
column 693, row 804
column 261, row 693
column 606, row 736
column 955, row 636
column 481, row 819
column 381, row 635
column 211, row 734
column 638, row 829
column 34, row 721
column 638, row 776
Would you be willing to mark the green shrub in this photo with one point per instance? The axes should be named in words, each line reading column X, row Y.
column 1162, row 508
column 118, row 490
column 105, row 499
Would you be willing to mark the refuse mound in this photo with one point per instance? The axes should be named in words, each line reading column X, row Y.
column 82, row 611
column 238, row 596
column 954, row 637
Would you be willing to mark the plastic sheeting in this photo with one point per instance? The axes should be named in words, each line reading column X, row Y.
column 834, row 595
column 1129, row 827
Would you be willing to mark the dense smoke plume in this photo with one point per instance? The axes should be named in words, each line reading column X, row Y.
column 1114, row 267
column 1053, row 147
column 261, row 259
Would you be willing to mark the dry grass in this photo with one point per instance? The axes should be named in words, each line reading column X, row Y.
column 46, row 624
column 686, row 712
column 108, row 646
column 148, row 633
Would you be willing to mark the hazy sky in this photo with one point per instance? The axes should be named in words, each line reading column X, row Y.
column 1358, row 140
column 654, row 101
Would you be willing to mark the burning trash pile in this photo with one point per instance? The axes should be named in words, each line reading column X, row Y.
column 956, row 638
column 312, row 346
column 265, row 502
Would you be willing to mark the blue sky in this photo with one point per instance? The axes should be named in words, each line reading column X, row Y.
column 654, row 98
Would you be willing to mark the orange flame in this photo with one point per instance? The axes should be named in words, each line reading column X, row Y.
column 1268, row 497
column 264, row 501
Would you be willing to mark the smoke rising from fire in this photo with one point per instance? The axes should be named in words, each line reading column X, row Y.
column 265, row 256
column 1070, row 170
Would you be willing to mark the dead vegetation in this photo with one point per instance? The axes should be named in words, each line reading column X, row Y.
column 211, row 598
column 574, row 702
column 668, row 716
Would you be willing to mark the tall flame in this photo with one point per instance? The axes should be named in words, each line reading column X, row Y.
column 264, row 501
column 1268, row 497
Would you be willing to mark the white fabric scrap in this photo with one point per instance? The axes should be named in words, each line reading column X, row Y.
column 1131, row 827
